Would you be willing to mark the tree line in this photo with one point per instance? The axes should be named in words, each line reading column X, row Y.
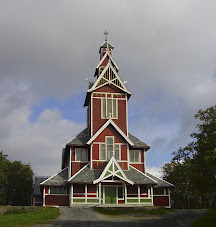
column 193, row 168
column 16, row 182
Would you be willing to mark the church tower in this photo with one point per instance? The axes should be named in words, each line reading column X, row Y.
column 104, row 163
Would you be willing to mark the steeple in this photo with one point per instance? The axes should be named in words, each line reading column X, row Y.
column 105, row 47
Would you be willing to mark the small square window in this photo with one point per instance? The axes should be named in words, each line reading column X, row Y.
column 81, row 154
column 135, row 156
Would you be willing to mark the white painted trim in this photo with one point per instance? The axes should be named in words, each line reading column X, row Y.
column 52, row 176
column 125, row 187
column 116, row 74
column 99, row 192
column 81, row 161
column 80, row 148
column 127, row 114
column 144, row 154
column 128, row 156
column 103, row 58
column 70, row 164
column 78, row 172
column 110, row 121
column 44, row 196
column 115, row 93
column 152, row 193
column 169, row 198
column 113, row 173
column 91, row 156
column 91, row 115
column 124, row 144
column 143, row 174
column 71, row 193
column 86, row 191
column 138, row 189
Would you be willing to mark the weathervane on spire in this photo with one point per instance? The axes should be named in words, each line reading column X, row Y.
column 105, row 33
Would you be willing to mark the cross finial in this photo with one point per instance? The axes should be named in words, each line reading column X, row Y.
column 106, row 33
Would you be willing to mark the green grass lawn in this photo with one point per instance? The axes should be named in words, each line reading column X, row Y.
column 25, row 218
column 207, row 220
column 119, row 211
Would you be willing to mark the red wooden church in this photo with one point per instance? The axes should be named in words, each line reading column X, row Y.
column 104, row 164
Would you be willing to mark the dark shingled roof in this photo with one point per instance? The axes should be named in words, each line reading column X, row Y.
column 104, row 45
column 160, row 182
column 83, row 137
column 88, row 176
column 137, row 177
column 58, row 179
column 137, row 142
column 38, row 180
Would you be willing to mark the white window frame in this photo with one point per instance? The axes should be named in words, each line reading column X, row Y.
column 107, row 115
column 106, row 138
column 139, row 161
column 82, row 149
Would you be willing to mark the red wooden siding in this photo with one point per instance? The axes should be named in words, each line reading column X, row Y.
column 95, row 151
column 140, row 167
column 161, row 200
column 57, row 200
column 76, row 166
column 124, row 152
column 109, row 89
column 110, row 131
column 98, row 121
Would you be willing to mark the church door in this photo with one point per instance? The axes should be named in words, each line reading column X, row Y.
column 110, row 195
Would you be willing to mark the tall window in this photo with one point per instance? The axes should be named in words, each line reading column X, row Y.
column 134, row 156
column 109, row 107
column 81, row 154
column 107, row 149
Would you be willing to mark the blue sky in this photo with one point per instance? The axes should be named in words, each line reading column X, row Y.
column 165, row 49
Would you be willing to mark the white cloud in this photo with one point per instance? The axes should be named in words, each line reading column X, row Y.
column 38, row 143
column 155, row 170
column 165, row 50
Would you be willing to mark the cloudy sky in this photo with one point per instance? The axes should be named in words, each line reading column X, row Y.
column 166, row 50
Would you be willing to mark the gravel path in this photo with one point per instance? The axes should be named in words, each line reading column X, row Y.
column 83, row 216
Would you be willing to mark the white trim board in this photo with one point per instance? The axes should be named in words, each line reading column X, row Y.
column 110, row 121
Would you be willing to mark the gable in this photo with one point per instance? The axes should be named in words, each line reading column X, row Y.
column 109, row 76
column 113, row 170
column 118, row 130
column 110, row 131
column 105, row 60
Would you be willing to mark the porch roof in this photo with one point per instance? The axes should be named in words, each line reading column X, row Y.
column 59, row 179
column 160, row 182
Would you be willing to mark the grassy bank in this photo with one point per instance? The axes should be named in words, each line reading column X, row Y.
column 207, row 220
column 18, row 218
column 119, row 211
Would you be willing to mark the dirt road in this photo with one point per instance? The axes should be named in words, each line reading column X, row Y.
column 83, row 216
